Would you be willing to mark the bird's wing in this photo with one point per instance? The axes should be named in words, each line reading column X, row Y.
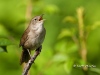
column 24, row 37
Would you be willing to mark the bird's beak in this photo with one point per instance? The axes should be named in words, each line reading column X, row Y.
column 41, row 17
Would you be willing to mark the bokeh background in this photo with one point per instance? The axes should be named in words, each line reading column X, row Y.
column 72, row 36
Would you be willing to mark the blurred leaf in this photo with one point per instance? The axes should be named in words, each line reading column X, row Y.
column 69, row 19
column 95, row 25
column 51, row 9
column 3, row 31
column 93, row 45
column 68, row 66
column 82, row 62
column 4, row 42
column 1, row 49
column 72, row 49
column 59, row 58
column 4, row 48
column 97, row 70
column 61, row 46
column 64, row 33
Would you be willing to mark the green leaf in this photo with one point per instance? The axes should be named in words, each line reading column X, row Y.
column 68, row 66
column 82, row 62
column 51, row 9
column 60, row 58
column 72, row 48
column 97, row 70
column 1, row 49
column 95, row 25
column 64, row 33
column 3, row 31
column 61, row 46
column 4, row 48
column 4, row 42
column 69, row 19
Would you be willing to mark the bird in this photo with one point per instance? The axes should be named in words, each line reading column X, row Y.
column 32, row 38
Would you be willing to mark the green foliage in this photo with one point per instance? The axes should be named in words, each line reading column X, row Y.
column 3, row 44
column 61, row 46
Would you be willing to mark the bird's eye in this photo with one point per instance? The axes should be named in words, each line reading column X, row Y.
column 35, row 19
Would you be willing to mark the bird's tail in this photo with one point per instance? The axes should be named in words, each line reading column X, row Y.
column 24, row 56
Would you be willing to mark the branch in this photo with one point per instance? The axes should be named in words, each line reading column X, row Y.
column 31, row 61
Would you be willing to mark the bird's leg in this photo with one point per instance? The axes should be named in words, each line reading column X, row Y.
column 39, row 49
column 29, row 52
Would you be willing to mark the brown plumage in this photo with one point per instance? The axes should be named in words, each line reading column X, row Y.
column 32, row 38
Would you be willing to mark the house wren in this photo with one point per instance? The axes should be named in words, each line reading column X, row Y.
column 32, row 38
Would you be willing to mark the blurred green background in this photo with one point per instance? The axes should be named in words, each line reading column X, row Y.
column 63, row 46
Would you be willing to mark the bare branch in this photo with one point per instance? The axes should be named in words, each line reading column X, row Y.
column 31, row 61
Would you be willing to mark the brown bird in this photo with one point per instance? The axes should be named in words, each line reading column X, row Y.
column 32, row 38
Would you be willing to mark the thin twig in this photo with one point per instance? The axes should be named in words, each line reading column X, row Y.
column 31, row 61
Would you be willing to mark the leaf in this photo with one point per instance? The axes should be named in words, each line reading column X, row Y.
column 69, row 19
column 1, row 49
column 72, row 49
column 64, row 33
column 3, row 31
column 60, row 58
column 82, row 62
column 4, row 48
column 4, row 42
column 95, row 25
column 97, row 70
column 68, row 66
column 61, row 46
column 51, row 9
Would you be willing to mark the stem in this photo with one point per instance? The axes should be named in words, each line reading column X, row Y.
column 28, row 12
column 80, row 14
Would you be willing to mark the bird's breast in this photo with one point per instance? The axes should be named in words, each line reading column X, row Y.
column 35, row 38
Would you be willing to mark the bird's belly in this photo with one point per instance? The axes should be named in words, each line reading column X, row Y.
column 33, row 42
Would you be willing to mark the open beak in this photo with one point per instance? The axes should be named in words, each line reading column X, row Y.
column 41, row 17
